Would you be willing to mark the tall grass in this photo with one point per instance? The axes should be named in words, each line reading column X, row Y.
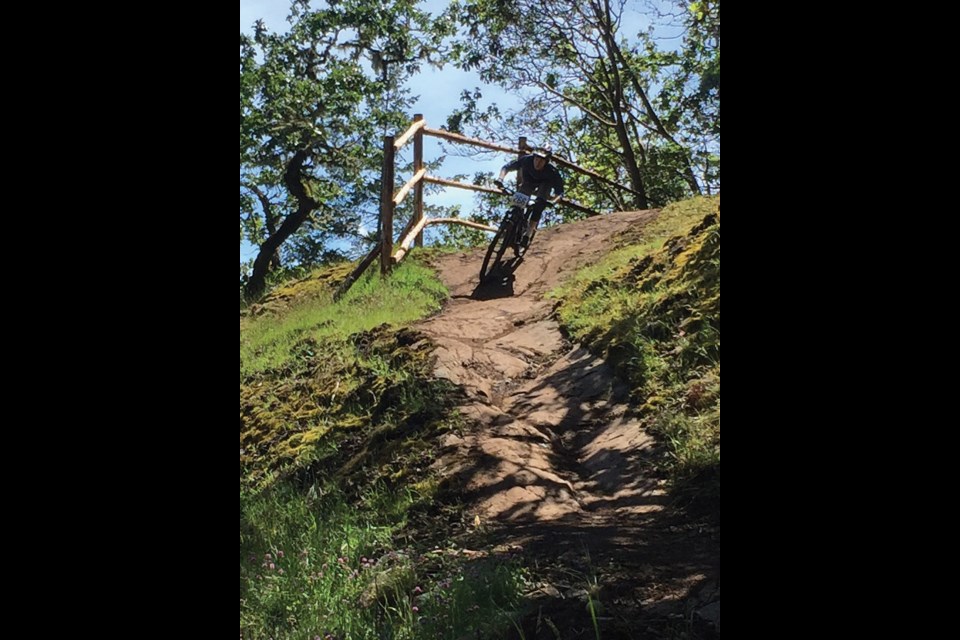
column 314, row 565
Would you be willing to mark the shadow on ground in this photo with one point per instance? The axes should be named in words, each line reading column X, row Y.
column 616, row 551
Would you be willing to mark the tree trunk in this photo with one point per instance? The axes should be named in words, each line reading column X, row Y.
column 688, row 174
column 630, row 161
column 271, row 220
column 305, row 204
column 617, row 61
column 615, row 83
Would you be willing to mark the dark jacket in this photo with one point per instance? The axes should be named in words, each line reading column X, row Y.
column 530, row 177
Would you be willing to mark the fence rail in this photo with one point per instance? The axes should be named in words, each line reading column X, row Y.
column 413, row 229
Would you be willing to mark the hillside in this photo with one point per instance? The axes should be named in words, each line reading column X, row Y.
column 555, row 437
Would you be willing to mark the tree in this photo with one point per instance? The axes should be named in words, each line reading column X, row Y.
column 313, row 104
column 692, row 92
column 626, row 108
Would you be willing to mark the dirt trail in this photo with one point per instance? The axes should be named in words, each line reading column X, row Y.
column 553, row 442
column 553, row 461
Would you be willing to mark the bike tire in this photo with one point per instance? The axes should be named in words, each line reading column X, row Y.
column 503, row 239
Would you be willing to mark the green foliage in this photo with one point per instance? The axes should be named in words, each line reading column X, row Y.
column 652, row 308
column 616, row 103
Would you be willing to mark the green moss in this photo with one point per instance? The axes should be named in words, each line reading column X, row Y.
column 318, row 378
column 349, row 406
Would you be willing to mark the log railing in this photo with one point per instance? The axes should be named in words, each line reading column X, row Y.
column 413, row 230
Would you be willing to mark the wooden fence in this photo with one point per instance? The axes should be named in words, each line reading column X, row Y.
column 413, row 230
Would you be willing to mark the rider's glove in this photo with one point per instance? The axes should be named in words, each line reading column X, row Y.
column 499, row 183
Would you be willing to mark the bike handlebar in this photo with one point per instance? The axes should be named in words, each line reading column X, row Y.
column 507, row 191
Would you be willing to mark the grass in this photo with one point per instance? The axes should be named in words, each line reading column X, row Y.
column 315, row 373
column 271, row 340
column 302, row 556
column 325, row 384
column 317, row 564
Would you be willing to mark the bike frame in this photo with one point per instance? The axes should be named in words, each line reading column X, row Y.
column 507, row 236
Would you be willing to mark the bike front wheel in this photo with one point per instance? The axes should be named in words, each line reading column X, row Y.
column 492, row 262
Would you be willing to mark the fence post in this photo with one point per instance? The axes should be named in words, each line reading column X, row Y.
column 386, row 206
column 522, row 145
column 417, row 165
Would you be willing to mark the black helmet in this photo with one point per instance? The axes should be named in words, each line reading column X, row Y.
column 546, row 151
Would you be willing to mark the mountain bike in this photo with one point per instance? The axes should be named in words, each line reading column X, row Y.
column 512, row 228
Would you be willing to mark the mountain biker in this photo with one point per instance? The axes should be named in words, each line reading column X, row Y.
column 537, row 176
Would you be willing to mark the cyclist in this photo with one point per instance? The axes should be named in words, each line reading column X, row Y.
column 537, row 176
